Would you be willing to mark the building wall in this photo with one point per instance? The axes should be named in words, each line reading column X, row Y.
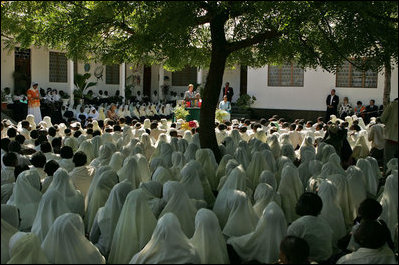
column 7, row 68
column 312, row 96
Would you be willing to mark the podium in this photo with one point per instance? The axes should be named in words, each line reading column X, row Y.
column 194, row 113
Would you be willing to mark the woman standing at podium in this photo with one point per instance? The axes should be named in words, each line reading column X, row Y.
column 189, row 94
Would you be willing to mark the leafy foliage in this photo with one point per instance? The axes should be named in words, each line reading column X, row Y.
column 221, row 115
column 180, row 112
column 245, row 101
column 82, row 84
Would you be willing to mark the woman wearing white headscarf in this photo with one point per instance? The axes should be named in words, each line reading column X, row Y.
column 268, row 177
column 357, row 186
column 178, row 202
column 361, row 149
column 148, row 148
column 87, row 147
column 207, row 159
column 374, row 165
column 178, row 163
column 31, row 119
column 280, row 163
column 188, row 136
column 101, row 190
column 116, row 161
column 66, row 243
column 25, row 248
column 51, row 206
column 10, row 214
column 128, row 172
column 72, row 197
column 371, row 179
column 263, row 195
column 242, row 218
column 290, row 189
column 255, row 168
column 182, row 145
column 271, row 228
column 190, row 152
column 153, row 192
column 270, row 161
column 143, row 168
column 7, row 231
column 94, row 114
column 331, row 210
column 134, row 228
column 389, row 202
column 72, row 142
column 168, row 244
column 221, row 170
column 96, row 142
column 106, row 219
column 208, row 239
column 242, row 156
column 26, row 197
column 101, row 113
column 274, row 145
column 104, row 155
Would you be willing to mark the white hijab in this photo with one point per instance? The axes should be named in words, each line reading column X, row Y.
column 270, row 161
column 268, row 177
column 255, row 168
column 264, row 194
column 207, row 159
column 7, row 231
column 168, row 244
column 371, row 178
column 129, row 172
column 116, row 161
column 179, row 203
column 134, row 228
column 389, row 202
column 87, row 147
column 10, row 214
column 271, row 228
column 290, row 189
column 162, row 175
column 66, row 242
column 26, row 197
column 182, row 145
column 143, row 168
column 208, row 239
column 107, row 217
column 25, row 249
column 51, row 206
column 357, row 186
column 190, row 152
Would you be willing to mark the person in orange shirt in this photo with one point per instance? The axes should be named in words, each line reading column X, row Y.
column 360, row 109
column 34, row 102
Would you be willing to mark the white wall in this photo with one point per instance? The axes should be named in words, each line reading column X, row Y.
column 7, row 68
column 312, row 96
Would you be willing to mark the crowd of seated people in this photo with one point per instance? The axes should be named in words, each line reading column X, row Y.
column 360, row 110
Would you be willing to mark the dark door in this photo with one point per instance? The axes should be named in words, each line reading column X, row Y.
column 243, row 79
column 22, row 74
column 147, row 81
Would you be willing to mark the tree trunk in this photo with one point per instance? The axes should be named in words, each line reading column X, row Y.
column 212, row 88
column 387, row 84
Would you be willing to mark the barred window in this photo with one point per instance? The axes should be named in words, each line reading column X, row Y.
column 184, row 77
column 112, row 74
column 349, row 76
column 285, row 75
column 58, row 67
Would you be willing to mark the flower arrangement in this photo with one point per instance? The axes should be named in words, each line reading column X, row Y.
column 189, row 125
column 180, row 112
column 221, row 115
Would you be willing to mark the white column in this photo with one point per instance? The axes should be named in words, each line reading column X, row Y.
column 161, row 82
column 122, row 80
column 199, row 76
column 71, row 81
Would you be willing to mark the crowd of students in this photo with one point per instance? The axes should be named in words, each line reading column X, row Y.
column 106, row 189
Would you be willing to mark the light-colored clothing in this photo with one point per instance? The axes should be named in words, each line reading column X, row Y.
column 382, row 255
column 25, row 249
column 390, row 118
column 34, row 104
column 82, row 177
column 376, row 136
column 7, row 175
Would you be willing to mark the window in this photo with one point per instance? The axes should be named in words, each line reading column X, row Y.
column 112, row 74
column 349, row 76
column 285, row 75
column 58, row 67
column 184, row 77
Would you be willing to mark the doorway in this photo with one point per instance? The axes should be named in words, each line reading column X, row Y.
column 243, row 79
column 22, row 73
column 147, row 81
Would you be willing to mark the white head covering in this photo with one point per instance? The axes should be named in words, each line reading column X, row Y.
column 31, row 119
column 271, row 228
column 371, row 178
column 25, row 249
column 281, row 162
column 142, row 167
column 389, row 202
column 392, row 165
column 162, row 175
column 255, row 168
column 207, row 159
column 375, row 167
column 134, row 228
column 270, row 161
column 66, row 242
column 148, row 148
column 242, row 218
column 191, row 182
column 208, row 239
column 268, row 177
column 242, row 156
column 97, row 142
column 178, row 202
column 116, row 161
column 182, row 145
column 101, row 190
column 274, row 145
column 331, row 210
column 264, row 194
column 107, row 217
column 87, row 147
column 327, row 151
column 47, row 121
column 190, row 152
column 10, row 214
column 51, row 206
column 26, row 197
column 290, row 189
column 357, row 186
column 168, row 244
column 7, row 231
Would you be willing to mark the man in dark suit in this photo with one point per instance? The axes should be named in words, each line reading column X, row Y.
column 332, row 104
column 228, row 91
column 371, row 111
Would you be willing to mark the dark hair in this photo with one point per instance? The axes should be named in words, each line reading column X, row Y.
column 173, row 125
column 359, row 103
column 148, row 131
column 42, row 138
column 19, row 169
column 309, row 204
column 154, row 125
column 286, row 124
column 117, row 128
column 96, row 132
column 20, row 139
column 243, row 129
column 38, row 159
column 10, row 159
column 4, row 143
column 247, row 122
column 372, row 100
column 14, row 146
column 89, row 131
column 67, row 131
column 79, row 159
column 370, row 234
column 369, row 209
column 295, row 249
column 50, row 167
column 292, row 126
column 66, row 152
column 56, row 144
column 45, row 147
column 173, row 133
column 11, row 132
column 263, row 121
column 77, row 134
column 52, row 131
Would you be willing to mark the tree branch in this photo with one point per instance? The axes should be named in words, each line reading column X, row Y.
column 258, row 38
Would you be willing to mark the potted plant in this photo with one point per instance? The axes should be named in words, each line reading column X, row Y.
column 245, row 101
column 180, row 112
column 81, row 84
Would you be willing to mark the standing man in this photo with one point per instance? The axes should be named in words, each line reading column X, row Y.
column 332, row 104
column 390, row 118
column 228, row 91
column 34, row 102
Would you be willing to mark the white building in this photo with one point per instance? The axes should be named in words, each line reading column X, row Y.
column 285, row 89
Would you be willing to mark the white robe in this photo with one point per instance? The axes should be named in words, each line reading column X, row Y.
column 357, row 187
column 134, row 228
column 389, row 202
column 67, row 164
column 271, row 228
column 7, row 231
column 25, row 249
column 168, row 244
column 371, row 179
column 255, row 168
column 383, row 255
column 264, row 194
column 66, row 242
column 208, row 239
column 82, row 177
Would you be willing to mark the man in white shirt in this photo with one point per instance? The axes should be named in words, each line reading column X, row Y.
column 312, row 227
column 371, row 236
